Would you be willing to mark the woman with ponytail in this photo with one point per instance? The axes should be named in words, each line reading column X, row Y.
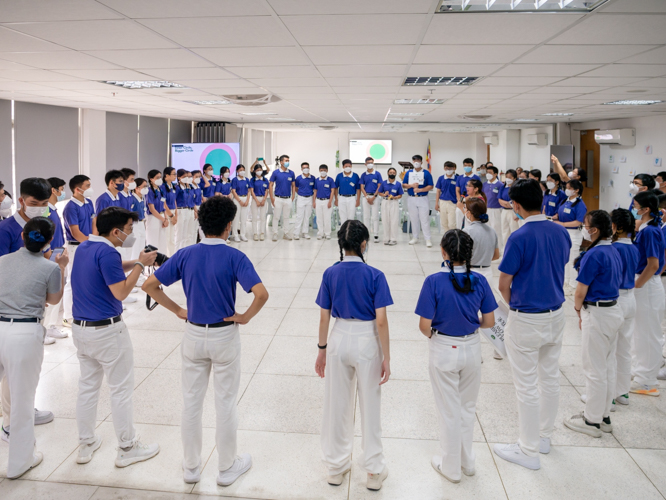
column 449, row 306
column 649, row 293
column 600, row 318
column 358, row 357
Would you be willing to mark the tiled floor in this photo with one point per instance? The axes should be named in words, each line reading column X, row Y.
column 280, row 408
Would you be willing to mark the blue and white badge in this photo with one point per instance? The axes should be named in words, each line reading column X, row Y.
column 352, row 184
column 289, row 178
column 495, row 190
column 162, row 199
column 551, row 204
column 374, row 180
column 325, row 185
column 567, row 210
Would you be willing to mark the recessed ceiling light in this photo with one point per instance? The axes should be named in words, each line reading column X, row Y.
column 556, row 114
column 634, row 102
column 439, row 80
column 419, row 101
column 405, row 114
column 560, row 6
column 525, row 120
column 133, row 84
column 209, row 103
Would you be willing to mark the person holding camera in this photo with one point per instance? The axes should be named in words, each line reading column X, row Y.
column 212, row 337
column 102, row 341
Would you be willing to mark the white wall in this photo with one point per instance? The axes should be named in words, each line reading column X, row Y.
column 535, row 156
column 93, row 147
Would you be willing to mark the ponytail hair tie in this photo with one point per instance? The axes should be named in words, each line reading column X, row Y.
column 36, row 236
column 483, row 217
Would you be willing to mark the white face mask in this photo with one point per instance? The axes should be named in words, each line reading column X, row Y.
column 240, row 174
column 509, row 182
column 6, row 203
column 572, row 176
column 322, row 174
column 197, row 180
column 129, row 240
column 32, row 212
column 489, row 177
column 482, row 172
column 158, row 182
column 226, row 175
column 258, row 174
column 347, row 170
column 449, row 173
column 370, row 166
column 144, row 191
column 417, row 164
column 306, row 171
column 209, row 174
column 550, row 185
column 131, row 185
column 569, row 192
column 88, row 193
column 633, row 188
column 586, row 234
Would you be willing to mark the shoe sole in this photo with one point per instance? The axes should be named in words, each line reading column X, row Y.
column 589, row 432
column 342, row 474
column 47, row 421
column 192, row 480
column 126, row 463
column 380, row 486
column 508, row 459
column 607, row 428
column 86, row 460
column 443, row 475
column 654, row 393
column 468, row 473
column 29, row 468
column 239, row 475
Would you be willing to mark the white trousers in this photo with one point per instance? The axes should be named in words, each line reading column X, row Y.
column 495, row 221
column 646, row 355
column 53, row 315
column 353, row 359
column 455, row 375
column 240, row 221
column 626, row 301
column 346, row 208
column 105, row 351
column 419, row 210
column 171, row 239
column 323, row 214
column 447, row 215
column 508, row 224
column 21, row 355
column 391, row 219
column 204, row 349
column 183, row 228
column 6, row 402
column 67, row 300
column 156, row 235
column 371, row 215
column 303, row 214
column 533, row 345
column 259, row 216
column 487, row 273
column 460, row 218
column 600, row 326
column 282, row 208
column 570, row 274
column 140, row 232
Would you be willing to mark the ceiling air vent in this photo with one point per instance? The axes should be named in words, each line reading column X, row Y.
column 251, row 99
column 327, row 127
column 476, row 117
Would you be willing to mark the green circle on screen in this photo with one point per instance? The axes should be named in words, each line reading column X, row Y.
column 218, row 158
column 377, row 151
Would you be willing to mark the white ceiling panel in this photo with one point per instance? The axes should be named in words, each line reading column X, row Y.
column 36, row 75
column 651, row 83
column 452, row 69
column 633, row 6
column 375, row 54
column 656, row 56
column 215, row 76
column 575, row 54
column 187, row 8
column 629, row 70
column 22, row 86
column 272, row 72
column 508, row 81
column 342, row 81
column 289, row 82
column 465, row 54
column 612, row 29
column 308, row 7
column 561, row 70
column 584, row 81
column 105, row 74
column 234, row 90
column 9, row 65
column 255, row 56
column 11, row 41
column 64, row 59
column 53, row 10
column 362, row 70
column 363, row 89
column 154, row 58
column 215, row 84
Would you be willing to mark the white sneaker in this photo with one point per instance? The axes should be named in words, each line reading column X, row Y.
column 606, row 425
column 376, row 239
column 578, row 423
column 375, row 481
column 67, row 323
column 37, row 459
column 130, row 300
column 413, row 241
column 191, row 476
column 287, row 237
column 137, row 453
column 255, row 238
column 319, row 236
column 262, row 237
column 662, row 373
column 86, row 451
column 297, row 237
column 468, row 472
column 583, row 398
column 49, row 340
column 56, row 333
column 307, row 236
column 497, row 355
column 429, row 243
column 436, row 462
column 512, row 453
column 42, row 417
column 243, row 238
column 544, row 446
column 134, row 290
column 237, row 239
column 241, row 465
column 328, row 236
column 336, row 479
column 393, row 242
column 275, row 237
column 623, row 400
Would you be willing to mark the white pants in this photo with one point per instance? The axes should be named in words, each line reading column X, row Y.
column 21, row 355
column 240, row 221
column 419, row 210
column 570, row 274
column 533, row 345
column 600, row 326
column 455, row 375
column 282, row 208
column 646, row 355
column 627, row 301
column 67, row 300
column 171, row 238
column 105, row 351
column 346, row 208
column 508, row 224
column 183, row 228
column 323, row 217
column 303, row 214
column 353, row 359
column 204, row 349
column 495, row 221
column 371, row 215
column 447, row 215
column 391, row 219
column 156, row 235
column 53, row 315
column 140, row 232
column 487, row 273
column 460, row 218
column 6, row 402
column 259, row 216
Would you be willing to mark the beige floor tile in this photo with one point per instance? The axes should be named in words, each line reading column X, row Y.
column 409, row 360
column 306, row 299
column 22, row 489
column 290, row 356
column 653, row 464
column 301, row 322
column 266, row 322
column 104, row 493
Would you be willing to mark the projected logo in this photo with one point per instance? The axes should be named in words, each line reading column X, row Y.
column 196, row 155
column 379, row 150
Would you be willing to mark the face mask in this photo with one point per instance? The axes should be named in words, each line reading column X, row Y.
column 129, row 240
column 518, row 215
column 509, row 182
column 6, row 203
column 467, row 169
column 131, row 185
column 197, row 180
column 120, row 186
column 489, row 177
column 417, row 164
column 188, row 180
column 550, row 185
column 482, row 172
column 258, row 173
column 448, row 173
column 240, row 173
column 209, row 173
column 370, row 166
column 5, row 212
column 633, row 189
column 32, row 212
column 62, row 196
column 157, row 182
column 392, row 176
column 586, row 234
column 572, row 176
column 634, row 212
column 226, row 175
column 46, row 248
column 306, row 171
column 144, row 191
column 286, row 164
column 347, row 170
column 569, row 192
column 322, row 174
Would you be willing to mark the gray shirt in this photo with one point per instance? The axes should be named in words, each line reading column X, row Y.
column 25, row 279
column 485, row 242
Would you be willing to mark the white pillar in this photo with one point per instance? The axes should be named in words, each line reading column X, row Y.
column 93, row 147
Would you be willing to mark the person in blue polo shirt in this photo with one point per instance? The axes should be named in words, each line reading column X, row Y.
column 210, row 272
column 115, row 182
column 370, row 181
column 417, row 183
column 446, row 197
column 554, row 197
column 157, row 221
column 240, row 188
column 101, row 338
column 223, row 187
column 391, row 190
column 531, row 281
column 640, row 184
column 305, row 185
column 492, row 188
column 125, row 194
column 509, row 219
column 185, row 208
column 259, row 207
column 197, row 200
column 33, row 202
column 347, row 192
column 461, row 189
column 357, row 296
column 282, row 189
column 139, row 207
column 324, row 193
column 571, row 215
column 449, row 307
column 169, row 192
column 208, row 183
column 600, row 318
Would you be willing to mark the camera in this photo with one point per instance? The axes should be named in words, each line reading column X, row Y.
column 160, row 259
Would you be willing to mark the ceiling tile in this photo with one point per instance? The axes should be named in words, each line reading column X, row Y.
column 272, row 72
column 65, row 59
column 187, row 8
column 452, row 69
column 656, row 56
column 590, row 54
column 289, row 82
column 308, row 7
column 633, row 6
column 254, row 56
column 584, row 81
column 370, row 81
column 214, row 84
column 611, row 29
column 469, row 54
column 54, row 10
column 507, row 81
column 154, row 58
column 362, row 70
column 629, row 70
column 369, row 54
column 11, row 41
column 106, row 74
column 215, row 75
column 36, row 75
column 8, row 65
column 561, row 70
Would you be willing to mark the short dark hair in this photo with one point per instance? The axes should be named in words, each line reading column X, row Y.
column 528, row 193
column 215, row 214
column 112, row 175
column 324, row 166
column 582, row 174
column 37, row 232
column 283, row 157
column 127, row 172
column 56, row 182
column 512, row 172
column 167, row 171
column 369, row 158
column 662, row 175
column 181, row 172
column 195, row 172
column 493, row 169
column 417, row 157
column 139, row 181
column 36, row 187
column 576, row 185
column 305, row 163
column 345, row 162
column 206, row 165
column 468, row 160
column 153, row 173
column 536, row 173
column 555, row 176
column 647, row 180
column 114, row 218
column 77, row 181
column 449, row 164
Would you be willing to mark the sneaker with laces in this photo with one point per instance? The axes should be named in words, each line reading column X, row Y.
column 319, row 236
column 237, row 239
column 243, row 238
column 375, row 481
column 328, row 236
column 544, row 446
column 49, row 340
column 436, row 462
column 393, row 243
column 413, row 241
column 42, row 417
column 336, row 479
column 512, row 453
column 645, row 390
column 580, row 424
column 56, row 333
column 623, row 400
column 86, row 451
column 255, row 238
column 241, row 465
column 606, row 425
column 191, row 476
column 307, row 236
column 287, row 237
column 37, row 459
column 297, row 237
column 137, row 453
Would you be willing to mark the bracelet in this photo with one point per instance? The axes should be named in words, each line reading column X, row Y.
column 137, row 263
column 322, row 347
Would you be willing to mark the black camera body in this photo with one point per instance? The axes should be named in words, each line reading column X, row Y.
column 160, row 259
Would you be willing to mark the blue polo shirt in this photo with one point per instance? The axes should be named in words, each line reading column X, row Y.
column 197, row 193
column 155, row 198
column 371, row 182
column 535, row 255
column 282, row 181
column 139, row 206
column 447, row 186
column 183, row 197
column 97, row 266
column 305, row 185
column 392, row 188
column 208, row 192
column 106, row 200
column 58, row 236
column 552, row 202
column 324, row 187
column 224, row 188
column 78, row 214
column 10, row 234
column 492, row 190
column 353, row 290
column 462, row 180
column 209, row 286
column 125, row 199
column 630, row 257
column 601, row 270
column 504, row 194
column 650, row 243
column 452, row 312
column 572, row 210
column 259, row 186
column 169, row 194
column 427, row 181
column 241, row 186
column 347, row 185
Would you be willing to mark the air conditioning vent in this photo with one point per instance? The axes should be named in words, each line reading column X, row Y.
column 476, row 117
column 251, row 99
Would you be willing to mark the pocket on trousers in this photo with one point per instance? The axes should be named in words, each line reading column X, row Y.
column 523, row 332
column 444, row 358
column 368, row 348
column 106, row 350
column 224, row 352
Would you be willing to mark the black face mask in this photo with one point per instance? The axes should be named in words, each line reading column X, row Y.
column 391, row 176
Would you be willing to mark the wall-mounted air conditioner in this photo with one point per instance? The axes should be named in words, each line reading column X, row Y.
column 621, row 136
column 493, row 140
column 537, row 139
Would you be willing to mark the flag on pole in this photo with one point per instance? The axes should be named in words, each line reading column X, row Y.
column 429, row 157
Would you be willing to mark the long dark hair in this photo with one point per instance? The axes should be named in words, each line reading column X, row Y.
column 576, row 185
column 649, row 199
column 624, row 222
column 600, row 220
column 458, row 246
column 351, row 235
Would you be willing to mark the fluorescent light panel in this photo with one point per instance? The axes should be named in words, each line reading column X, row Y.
column 525, row 120
column 557, row 114
column 419, row 101
column 439, row 80
column 135, row 84
column 558, row 6
column 405, row 114
column 637, row 102
column 257, row 114
column 209, row 103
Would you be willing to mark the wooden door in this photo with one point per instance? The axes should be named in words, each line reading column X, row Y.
column 590, row 154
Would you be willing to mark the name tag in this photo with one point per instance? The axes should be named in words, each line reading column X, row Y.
column 374, row 180
column 567, row 210
column 453, row 182
column 162, row 199
column 312, row 184
column 325, row 185
column 495, row 190
column 552, row 204
column 213, row 183
column 394, row 190
column 351, row 184
column 289, row 178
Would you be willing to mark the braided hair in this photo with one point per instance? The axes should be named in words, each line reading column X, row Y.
column 649, row 199
column 600, row 220
column 624, row 222
column 351, row 235
column 458, row 246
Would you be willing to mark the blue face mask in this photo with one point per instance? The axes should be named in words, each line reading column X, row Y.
column 120, row 186
column 286, row 164
column 518, row 215
column 61, row 197
column 467, row 169
column 634, row 212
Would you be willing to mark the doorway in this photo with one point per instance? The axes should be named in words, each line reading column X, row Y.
column 590, row 154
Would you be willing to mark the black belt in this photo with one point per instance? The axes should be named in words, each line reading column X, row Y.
column 347, row 195
column 323, row 198
column 436, row 331
column 479, row 267
column 304, row 196
column 185, row 208
column 600, row 304
column 538, row 312
column 213, row 325
column 74, row 243
column 283, row 197
column 102, row 322
column 19, row 320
